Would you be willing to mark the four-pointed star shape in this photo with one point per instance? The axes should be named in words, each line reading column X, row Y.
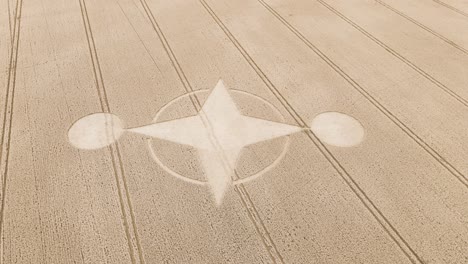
column 219, row 132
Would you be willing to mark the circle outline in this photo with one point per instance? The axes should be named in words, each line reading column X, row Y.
column 235, row 182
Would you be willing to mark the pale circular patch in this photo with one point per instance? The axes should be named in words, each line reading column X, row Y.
column 337, row 129
column 95, row 131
